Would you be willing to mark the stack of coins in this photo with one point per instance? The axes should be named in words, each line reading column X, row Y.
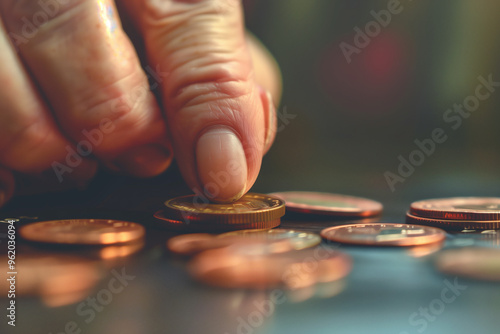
column 252, row 211
column 325, row 204
column 459, row 213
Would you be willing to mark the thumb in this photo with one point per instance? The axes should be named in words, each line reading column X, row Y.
column 215, row 110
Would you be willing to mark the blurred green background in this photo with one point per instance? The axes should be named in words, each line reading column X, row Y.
column 353, row 120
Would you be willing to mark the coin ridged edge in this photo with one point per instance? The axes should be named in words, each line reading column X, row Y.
column 213, row 227
column 264, row 215
column 453, row 224
column 445, row 214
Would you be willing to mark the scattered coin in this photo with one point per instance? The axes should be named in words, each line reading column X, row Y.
column 453, row 224
column 295, row 270
column 297, row 239
column 250, row 209
column 384, row 234
column 190, row 244
column 476, row 263
column 83, row 231
column 329, row 204
column 458, row 208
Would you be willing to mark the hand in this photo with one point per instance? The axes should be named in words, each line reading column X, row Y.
column 74, row 94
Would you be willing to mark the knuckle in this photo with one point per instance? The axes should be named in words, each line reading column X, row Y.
column 123, row 102
column 27, row 16
column 156, row 11
column 203, row 70
column 210, row 85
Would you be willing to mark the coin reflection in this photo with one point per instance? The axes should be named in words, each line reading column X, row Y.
column 109, row 253
column 229, row 268
column 421, row 251
column 57, row 279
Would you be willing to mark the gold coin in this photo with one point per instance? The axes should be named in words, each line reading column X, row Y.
column 251, row 208
column 210, row 226
column 83, row 231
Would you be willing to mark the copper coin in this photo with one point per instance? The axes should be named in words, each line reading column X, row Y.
column 190, row 244
column 296, row 270
column 297, row 239
column 83, row 231
column 329, row 204
column 476, row 263
column 251, row 208
column 210, row 226
column 454, row 224
column 458, row 208
column 384, row 234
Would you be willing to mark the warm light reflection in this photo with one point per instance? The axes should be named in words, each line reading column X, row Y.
column 421, row 251
column 106, row 15
column 114, row 252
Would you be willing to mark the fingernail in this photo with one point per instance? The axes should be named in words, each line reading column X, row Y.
column 145, row 161
column 222, row 165
column 271, row 121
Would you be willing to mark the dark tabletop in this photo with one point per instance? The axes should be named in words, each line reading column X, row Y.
column 390, row 290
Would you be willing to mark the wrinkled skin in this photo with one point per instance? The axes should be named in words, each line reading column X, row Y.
column 75, row 97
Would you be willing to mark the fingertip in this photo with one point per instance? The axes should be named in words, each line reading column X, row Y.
column 221, row 163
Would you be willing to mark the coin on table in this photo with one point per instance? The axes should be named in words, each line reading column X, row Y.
column 476, row 263
column 190, row 244
column 458, row 208
column 201, row 226
column 384, row 234
column 329, row 204
column 297, row 239
column 454, row 224
column 224, row 268
column 250, row 209
column 83, row 231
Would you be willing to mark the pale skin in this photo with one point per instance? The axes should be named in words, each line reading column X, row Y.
column 67, row 66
